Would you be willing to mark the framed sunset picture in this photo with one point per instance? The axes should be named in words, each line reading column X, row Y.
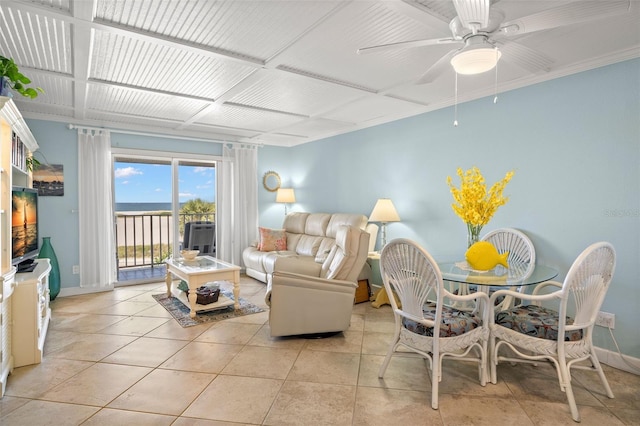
column 48, row 179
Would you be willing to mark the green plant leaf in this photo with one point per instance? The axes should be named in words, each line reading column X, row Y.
column 16, row 80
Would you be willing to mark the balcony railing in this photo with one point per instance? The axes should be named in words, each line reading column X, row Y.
column 145, row 239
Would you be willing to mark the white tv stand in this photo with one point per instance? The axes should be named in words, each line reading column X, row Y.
column 31, row 314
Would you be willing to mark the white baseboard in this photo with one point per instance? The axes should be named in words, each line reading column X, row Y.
column 74, row 291
column 614, row 359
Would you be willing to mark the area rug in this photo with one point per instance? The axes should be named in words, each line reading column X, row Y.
column 180, row 311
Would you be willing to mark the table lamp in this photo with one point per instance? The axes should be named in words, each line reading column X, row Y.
column 285, row 195
column 384, row 212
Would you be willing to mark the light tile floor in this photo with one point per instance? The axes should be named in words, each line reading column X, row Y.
column 118, row 358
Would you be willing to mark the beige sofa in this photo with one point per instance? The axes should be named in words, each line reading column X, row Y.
column 320, row 303
column 309, row 239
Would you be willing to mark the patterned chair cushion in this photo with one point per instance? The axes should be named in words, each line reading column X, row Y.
column 535, row 321
column 454, row 322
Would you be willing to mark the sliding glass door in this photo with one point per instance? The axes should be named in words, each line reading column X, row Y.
column 196, row 183
column 154, row 198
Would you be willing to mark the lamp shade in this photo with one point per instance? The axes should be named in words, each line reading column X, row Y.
column 476, row 60
column 384, row 211
column 285, row 195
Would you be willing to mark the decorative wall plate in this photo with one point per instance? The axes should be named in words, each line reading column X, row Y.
column 271, row 181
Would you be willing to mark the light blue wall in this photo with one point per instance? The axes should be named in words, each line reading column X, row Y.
column 573, row 142
column 59, row 215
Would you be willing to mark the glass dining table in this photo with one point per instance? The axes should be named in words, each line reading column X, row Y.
column 518, row 276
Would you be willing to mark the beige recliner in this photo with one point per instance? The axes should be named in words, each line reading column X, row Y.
column 304, row 304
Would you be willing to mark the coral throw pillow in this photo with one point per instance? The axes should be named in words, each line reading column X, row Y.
column 272, row 239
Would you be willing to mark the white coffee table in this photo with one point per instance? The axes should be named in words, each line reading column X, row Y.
column 200, row 271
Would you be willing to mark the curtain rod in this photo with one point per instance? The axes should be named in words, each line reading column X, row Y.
column 156, row 135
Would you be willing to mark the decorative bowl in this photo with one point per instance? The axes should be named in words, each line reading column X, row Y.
column 189, row 254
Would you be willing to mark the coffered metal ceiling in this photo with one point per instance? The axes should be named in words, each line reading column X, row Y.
column 276, row 72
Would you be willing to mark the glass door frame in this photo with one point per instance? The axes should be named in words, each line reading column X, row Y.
column 174, row 158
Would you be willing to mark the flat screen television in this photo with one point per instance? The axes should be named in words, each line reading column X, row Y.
column 24, row 227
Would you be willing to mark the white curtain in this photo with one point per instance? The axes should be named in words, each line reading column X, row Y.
column 238, row 214
column 97, row 237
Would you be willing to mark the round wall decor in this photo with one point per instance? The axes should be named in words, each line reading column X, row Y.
column 271, row 181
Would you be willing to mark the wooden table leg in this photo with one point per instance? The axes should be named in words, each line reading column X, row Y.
column 168, row 280
column 236, row 289
column 193, row 297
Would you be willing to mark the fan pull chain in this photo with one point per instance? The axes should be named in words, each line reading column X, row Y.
column 495, row 84
column 455, row 108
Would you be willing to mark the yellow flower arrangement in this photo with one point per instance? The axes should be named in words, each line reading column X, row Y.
column 473, row 204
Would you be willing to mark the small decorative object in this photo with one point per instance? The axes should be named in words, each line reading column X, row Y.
column 189, row 254
column 205, row 294
column 483, row 256
column 46, row 251
column 5, row 89
column 473, row 204
column 271, row 181
column 12, row 78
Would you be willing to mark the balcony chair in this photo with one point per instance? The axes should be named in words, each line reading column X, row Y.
column 522, row 255
column 411, row 273
column 318, row 305
column 537, row 333
column 200, row 235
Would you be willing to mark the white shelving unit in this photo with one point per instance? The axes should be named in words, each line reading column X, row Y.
column 31, row 314
column 7, row 285
column 15, row 137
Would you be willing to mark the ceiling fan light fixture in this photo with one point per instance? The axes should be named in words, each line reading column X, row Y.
column 476, row 60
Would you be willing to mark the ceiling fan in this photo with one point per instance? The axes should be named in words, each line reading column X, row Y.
column 486, row 36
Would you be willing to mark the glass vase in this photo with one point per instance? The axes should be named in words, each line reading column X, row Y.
column 4, row 87
column 473, row 234
column 47, row 251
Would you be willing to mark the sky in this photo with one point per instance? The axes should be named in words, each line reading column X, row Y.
column 48, row 172
column 151, row 183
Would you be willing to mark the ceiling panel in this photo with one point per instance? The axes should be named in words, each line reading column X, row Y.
column 256, row 29
column 124, row 118
column 247, row 118
column 232, row 133
column 121, row 59
column 45, row 111
column 35, row 41
column 311, row 126
column 363, row 24
column 59, row 91
column 63, row 5
column 370, row 108
column 282, row 72
column 283, row 91
column 141, row 104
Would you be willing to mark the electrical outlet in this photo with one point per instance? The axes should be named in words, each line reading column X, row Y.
column 606, row 319
column 76, row 269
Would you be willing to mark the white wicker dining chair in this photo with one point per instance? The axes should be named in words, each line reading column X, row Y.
column 522, row 255
column 537, row 333
column 409, row 271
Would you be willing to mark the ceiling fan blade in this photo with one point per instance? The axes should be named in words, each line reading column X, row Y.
column 473, row 14
column 443, row 64
column 525, row 57
column 572, row 13
column 407, row 45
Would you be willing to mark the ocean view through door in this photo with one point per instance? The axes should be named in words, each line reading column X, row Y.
column 154, row 199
